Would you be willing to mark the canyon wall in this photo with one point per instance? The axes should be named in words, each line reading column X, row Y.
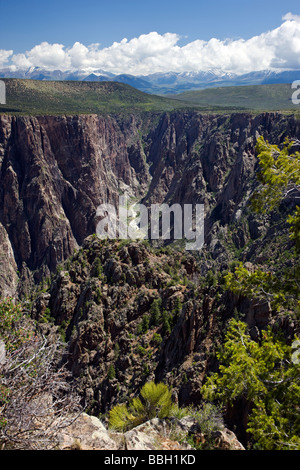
column 56, row 170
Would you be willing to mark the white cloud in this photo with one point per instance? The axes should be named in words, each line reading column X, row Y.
column 290, row 17
column 154, row 52
column 4, row 56
column 20, row 61
column 49, row 56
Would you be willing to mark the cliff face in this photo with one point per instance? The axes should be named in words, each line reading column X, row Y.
column 55, row 171
column 54, row 174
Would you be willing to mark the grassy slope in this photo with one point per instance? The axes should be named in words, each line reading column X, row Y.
column 71, row 97
column 252, row 97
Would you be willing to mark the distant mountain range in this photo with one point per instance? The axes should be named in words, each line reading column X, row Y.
column 161, row 83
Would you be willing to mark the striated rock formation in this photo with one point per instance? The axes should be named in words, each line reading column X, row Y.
column 54, row 174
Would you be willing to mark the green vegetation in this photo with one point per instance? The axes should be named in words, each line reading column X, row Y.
column 156, row 339
column 144, row 325
column 111, row 372
column 155, row 401
column 155, row 312
column 264, row 377
column 11, row 331
column 209, row 418
column 252, row 97
column 279, row 174
column 262, row 374
column 279, row 178
column 36, row 97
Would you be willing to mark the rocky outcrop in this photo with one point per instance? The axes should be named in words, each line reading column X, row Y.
column 8, row 266
column 86, row 433
column 130, row 313
column 89, row 433
column 101, row 313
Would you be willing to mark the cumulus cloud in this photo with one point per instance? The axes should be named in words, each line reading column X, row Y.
column 154, row 52
column 4, row 56
column 49, row 56
column 290, row 17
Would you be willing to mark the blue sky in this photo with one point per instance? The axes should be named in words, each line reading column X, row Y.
column 26, row 24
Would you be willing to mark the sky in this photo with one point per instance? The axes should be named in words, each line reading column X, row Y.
column 141, row 37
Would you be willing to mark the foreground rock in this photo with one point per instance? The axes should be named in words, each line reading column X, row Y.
column 226, row 440
column 88, row 433
column 153, row 435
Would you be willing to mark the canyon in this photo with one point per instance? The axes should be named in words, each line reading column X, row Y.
column 54, row 173
column 56, row 170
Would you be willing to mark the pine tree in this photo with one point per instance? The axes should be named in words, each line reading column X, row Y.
column 155, row 401
column 264, row 376
column 155, row 312
column 111, row 372
column 279, row 178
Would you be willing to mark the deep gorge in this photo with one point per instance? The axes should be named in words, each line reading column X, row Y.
column 56, row 170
